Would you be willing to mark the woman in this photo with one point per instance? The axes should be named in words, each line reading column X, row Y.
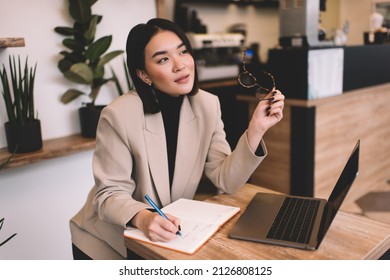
column 159, row 140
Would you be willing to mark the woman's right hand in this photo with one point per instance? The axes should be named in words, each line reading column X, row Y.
column 155, row 227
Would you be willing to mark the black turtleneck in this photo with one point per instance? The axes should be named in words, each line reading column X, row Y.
column 170, row 110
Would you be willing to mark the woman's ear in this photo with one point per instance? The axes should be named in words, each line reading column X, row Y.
column 143, row 76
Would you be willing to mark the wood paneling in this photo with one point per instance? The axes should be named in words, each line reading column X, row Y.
column 361, row 114
column 274, row 171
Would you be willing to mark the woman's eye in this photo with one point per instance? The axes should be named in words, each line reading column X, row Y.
column 162, row 60
column 184, row 51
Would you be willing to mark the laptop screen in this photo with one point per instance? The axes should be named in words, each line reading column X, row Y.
column 341, row 189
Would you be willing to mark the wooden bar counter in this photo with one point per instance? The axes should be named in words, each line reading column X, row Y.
column 350, row 237
column 308, row 148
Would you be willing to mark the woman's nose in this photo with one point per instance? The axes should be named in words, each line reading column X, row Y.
column 178, row 65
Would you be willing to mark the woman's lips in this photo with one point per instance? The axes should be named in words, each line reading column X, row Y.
column 182, row 79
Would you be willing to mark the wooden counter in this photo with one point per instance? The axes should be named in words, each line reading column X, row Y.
column 309, row 147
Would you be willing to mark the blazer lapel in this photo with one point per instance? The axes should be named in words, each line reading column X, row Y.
column 187, row 149
column 157, row 155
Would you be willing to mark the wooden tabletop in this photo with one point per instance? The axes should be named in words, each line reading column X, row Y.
column 350, row 237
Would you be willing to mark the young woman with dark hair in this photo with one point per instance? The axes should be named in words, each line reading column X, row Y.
column 159, row 140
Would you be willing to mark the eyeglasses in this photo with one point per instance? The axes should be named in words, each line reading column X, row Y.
column 247, row 80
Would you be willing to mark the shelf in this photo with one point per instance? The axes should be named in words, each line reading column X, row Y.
column 52, row 148
column 12, row 42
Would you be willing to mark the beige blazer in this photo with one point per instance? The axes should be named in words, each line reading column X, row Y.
column 130, row 160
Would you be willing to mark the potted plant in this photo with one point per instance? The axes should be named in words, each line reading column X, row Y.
column 23, row 129
column 84, row 62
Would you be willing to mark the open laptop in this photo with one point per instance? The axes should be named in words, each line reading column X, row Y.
column 271, row 218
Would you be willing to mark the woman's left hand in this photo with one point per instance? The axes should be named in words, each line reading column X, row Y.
column 268, row 112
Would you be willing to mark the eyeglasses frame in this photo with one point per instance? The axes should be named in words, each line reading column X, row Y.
column 256, row 83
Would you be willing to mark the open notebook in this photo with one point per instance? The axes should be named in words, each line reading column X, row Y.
column 199, row 220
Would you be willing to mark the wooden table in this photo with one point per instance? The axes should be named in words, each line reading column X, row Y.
column 350, row 236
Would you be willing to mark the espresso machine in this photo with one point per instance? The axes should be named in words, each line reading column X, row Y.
column 305, row 67
column 299, row 23
column 217, row 55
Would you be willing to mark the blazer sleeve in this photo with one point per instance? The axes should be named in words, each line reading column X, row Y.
column 230, row 170
column 112, row 169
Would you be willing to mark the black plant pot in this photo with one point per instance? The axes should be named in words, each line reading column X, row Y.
column 89, row 118
column 23, row 138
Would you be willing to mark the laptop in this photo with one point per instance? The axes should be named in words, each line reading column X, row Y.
column 295, row 221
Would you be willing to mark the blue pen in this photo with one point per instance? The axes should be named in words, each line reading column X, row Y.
column 159, row 211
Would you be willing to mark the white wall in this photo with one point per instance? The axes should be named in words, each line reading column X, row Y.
column 38, row 200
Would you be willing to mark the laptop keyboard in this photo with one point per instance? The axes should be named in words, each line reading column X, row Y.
column 295, row 220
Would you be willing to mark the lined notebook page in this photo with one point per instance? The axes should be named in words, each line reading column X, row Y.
column 199, row 220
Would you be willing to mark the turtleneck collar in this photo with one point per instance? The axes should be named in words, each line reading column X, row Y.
column 168, row 102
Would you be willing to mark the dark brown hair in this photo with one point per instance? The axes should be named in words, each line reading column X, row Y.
column 139, row 36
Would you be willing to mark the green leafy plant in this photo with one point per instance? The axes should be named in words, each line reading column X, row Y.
column 84, row 62
column 19, row 95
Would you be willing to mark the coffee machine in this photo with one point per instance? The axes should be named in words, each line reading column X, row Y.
column 299, row 22
column 217, row 55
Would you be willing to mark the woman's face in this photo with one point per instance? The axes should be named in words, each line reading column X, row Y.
column 168, row 64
